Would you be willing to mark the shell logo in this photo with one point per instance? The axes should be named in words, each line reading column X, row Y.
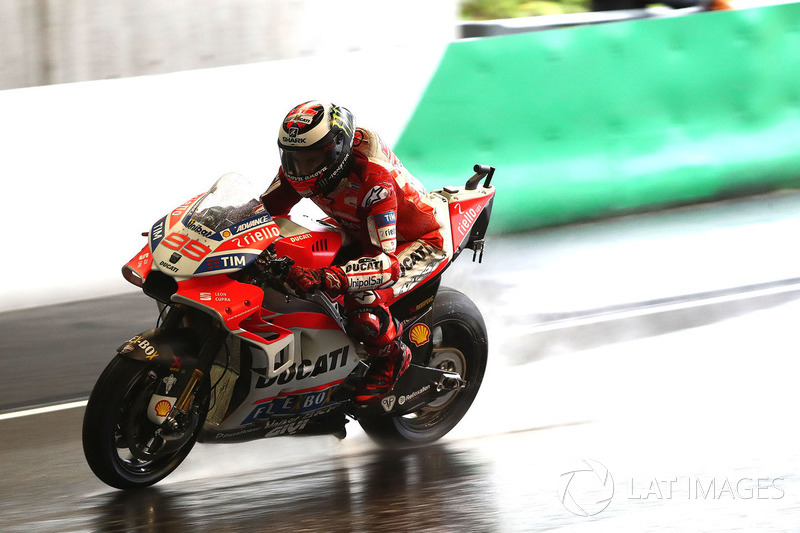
column 419, row 334
column 163, row 408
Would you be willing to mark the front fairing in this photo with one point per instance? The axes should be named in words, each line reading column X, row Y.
column 219, row 232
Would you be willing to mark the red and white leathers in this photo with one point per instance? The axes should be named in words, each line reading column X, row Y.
column 385, row 209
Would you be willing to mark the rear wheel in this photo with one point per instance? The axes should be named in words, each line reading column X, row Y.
column 122, row 446
column 460, row 345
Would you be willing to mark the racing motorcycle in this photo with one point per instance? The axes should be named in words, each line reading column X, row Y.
column 237, row 354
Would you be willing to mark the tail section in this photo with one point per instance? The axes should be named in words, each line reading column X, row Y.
column 470, row 208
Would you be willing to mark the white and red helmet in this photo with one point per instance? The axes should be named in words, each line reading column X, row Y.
column 316, row 146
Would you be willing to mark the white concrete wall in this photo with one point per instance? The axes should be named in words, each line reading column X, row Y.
column 87, row 167
column 60, row 41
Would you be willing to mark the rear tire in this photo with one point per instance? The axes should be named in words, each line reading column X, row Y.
column 119, row 441
column 460, row 345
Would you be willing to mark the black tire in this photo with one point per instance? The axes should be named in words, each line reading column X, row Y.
column 460, row 344
column 116, row 430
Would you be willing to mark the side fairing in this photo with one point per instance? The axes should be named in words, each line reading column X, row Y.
column 304, row 387
column 311, row 245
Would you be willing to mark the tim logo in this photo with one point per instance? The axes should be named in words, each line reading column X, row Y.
column 224, row 262
column 384, row 219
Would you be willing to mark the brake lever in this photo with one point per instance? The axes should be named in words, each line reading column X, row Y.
column 280, row 267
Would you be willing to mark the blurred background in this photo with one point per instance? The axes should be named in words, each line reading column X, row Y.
column 46, row 42
column 640, row 283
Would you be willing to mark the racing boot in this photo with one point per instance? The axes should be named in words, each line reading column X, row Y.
column 383, row 373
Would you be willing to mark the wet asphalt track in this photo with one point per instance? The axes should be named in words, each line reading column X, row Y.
column 662, row 347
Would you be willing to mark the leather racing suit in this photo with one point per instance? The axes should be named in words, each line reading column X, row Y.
column 381, row 206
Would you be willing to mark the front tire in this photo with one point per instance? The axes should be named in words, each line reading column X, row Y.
column 460, row 345
column 121, row 445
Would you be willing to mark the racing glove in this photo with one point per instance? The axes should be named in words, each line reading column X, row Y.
column 331, row 279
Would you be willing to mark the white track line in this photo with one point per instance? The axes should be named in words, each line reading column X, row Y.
column 655, row 309
column 41, row 410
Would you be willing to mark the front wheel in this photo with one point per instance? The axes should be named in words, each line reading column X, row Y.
column 460, row 345
column 122, row 446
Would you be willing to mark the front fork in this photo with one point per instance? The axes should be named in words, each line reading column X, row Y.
column 184, row 357
column 176, row 419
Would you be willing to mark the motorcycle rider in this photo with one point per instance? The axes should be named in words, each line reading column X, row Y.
column 355, row 179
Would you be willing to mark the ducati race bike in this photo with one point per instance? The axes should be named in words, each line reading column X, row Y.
column 238, row 355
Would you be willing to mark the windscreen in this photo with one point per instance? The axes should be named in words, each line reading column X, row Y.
column 231, row 200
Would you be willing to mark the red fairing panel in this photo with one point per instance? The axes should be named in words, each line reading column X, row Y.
column 314, row 249
column 463, row 214
column 238, row 304
column 233, row 301
column 305, row 320
column 137, row 269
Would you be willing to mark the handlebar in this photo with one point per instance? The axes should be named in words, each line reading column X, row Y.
column 481, row 171
column 268, row 269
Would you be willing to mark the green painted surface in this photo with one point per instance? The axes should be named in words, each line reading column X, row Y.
column 598, row 120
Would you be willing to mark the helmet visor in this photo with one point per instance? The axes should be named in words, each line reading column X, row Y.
column 308, row 164
column 302, row 165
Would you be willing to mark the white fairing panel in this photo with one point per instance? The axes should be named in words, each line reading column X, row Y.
column 327, row 358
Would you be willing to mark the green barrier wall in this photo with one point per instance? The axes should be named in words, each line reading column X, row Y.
column 599, row 120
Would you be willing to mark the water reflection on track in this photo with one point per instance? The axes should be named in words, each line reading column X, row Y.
column 402, row 491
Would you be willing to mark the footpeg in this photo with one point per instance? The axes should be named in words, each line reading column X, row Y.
column 450, row 381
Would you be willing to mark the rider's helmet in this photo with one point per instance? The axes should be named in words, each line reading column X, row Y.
column 316, row 145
